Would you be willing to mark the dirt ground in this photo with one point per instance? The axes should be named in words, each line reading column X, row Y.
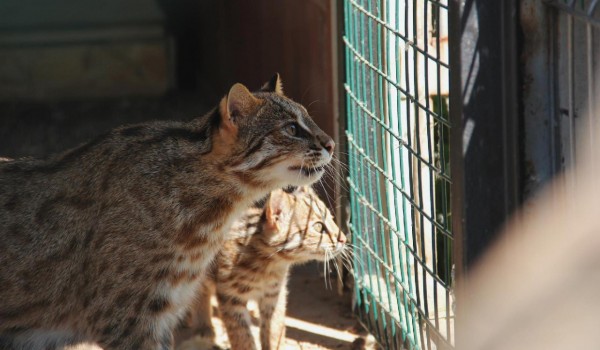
column 317, row 318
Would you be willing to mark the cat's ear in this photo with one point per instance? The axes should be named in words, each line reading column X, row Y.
column 238, row 103
column 274, row 209
column 273, row 85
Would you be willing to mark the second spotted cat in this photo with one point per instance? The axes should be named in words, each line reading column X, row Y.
column 293, row 227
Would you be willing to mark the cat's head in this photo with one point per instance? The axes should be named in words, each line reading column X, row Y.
column 300, row 227
column 271, row 140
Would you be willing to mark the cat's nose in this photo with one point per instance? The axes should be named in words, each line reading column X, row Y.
column 329, row 145
column 341, row 238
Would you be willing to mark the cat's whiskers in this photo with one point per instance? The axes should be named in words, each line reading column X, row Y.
column 348, row 254
column 326, row 270
column 347, row 264
column 300, row 171
column 313, row 102
column 345, row 169
column 336, row 267
column 347, row 259
column 329, row 200
column 336, row 176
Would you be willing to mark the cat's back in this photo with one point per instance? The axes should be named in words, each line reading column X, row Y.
column 64, row 217
column 77, row 178
column 123, row 144
column 95, row 169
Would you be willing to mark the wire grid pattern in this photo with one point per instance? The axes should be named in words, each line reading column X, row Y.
column 573, row 49
column 396, row 88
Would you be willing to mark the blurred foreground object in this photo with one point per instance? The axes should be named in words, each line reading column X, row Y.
column 539, row 287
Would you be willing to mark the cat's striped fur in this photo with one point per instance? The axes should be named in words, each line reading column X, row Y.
column 291, row 228
column 108, row 242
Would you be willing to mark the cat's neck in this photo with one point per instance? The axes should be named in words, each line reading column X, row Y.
column 223, row 159
column 272, row 259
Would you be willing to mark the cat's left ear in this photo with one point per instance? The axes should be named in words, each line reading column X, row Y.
column 273, row 85
column 238, row 103
column 274, row 209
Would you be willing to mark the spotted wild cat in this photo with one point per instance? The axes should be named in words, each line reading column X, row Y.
column 291, row 228
column 108, row 242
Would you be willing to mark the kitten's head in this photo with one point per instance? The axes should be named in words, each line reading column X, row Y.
column 272, row 140
column 299, row 226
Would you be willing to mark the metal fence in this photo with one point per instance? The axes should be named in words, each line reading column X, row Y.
column 525, row 85
column 396, row 89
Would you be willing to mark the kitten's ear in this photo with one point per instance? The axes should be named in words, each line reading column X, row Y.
column 238, row 103
column 304, row 189
column 274, row 208
column 273, row 85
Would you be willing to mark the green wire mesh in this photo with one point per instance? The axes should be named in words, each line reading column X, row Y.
column 396, row 91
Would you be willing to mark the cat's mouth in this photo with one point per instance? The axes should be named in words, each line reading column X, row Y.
column 308, row 171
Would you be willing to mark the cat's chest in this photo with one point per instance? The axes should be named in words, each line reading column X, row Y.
column 187, row 272
column 195, row 253
column 192, row 261
column 265, row 287
column 255, row 284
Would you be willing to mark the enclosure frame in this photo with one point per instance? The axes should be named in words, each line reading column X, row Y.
column 487, row 127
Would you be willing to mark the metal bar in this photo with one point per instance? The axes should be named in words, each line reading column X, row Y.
column 398, row 138
column 485, row 116
column 397, row 33
column 401, row 190
column 441, row 338
column 586, row 16
column 387, row 99
column 553, row 52
column 590, row 84
column 389, row 80
column 365, row 202
column 571, row 90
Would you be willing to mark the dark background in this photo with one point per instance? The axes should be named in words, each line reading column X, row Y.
column 197, row 50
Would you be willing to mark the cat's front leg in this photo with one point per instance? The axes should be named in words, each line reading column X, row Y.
column 272, row 308
column 201, row 315
column 237, row 321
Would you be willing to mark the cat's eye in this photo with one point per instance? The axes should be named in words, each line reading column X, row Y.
column 318, row 226
column 292, row 129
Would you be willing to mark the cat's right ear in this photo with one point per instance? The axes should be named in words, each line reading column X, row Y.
column 238, row 103
column 273, row 85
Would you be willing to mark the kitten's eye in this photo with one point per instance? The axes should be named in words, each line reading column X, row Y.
column 292, row 129
column 318, row 226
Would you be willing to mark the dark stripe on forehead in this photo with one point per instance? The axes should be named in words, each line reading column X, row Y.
column 286, row 107
column 306, row 120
